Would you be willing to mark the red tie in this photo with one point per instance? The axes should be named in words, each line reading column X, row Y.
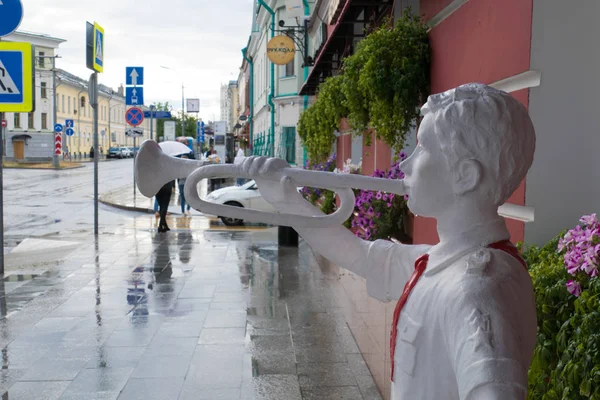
column 420, row 266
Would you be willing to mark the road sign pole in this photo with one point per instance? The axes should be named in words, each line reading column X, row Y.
column 152, row 123
column 134, row 157
column 94, row 82
column 55, row 157
column 1, row 197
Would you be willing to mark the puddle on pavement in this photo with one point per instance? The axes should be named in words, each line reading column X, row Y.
column 19, row 277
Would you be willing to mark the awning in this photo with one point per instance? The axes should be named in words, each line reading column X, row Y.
column 339, row 42
column 22, row 137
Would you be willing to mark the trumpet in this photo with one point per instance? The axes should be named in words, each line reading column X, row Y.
column 153, row 169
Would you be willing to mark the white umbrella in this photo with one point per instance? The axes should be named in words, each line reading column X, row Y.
column 171, row 148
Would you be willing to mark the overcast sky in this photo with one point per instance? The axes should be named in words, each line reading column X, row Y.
column 200, row 39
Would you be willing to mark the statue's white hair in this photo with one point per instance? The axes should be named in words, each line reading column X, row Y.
column 476, row 121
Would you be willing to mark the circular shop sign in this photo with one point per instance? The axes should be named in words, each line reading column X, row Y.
column 281, row 50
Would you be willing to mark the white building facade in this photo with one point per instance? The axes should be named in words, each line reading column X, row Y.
column 34, row 131
column 276, row 103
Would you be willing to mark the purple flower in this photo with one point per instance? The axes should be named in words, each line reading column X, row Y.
column 402, row 156
column 389, row 205
column 574, row 288
column 406, row 197
column 589, row 219
column 378, row 196
column 384, row 197
column 370, row 211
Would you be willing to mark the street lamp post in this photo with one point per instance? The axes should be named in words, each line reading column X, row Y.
column 182, row 101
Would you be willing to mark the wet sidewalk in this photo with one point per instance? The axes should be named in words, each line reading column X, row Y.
column 194, row 313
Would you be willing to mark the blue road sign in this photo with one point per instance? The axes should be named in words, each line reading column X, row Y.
column 11, row 14
column 69, row 123
column 134, row 116
column 134, row 96
column 69, row 132
column 134, row 76
column 58, row 128
column 158, row 114
column 98, row 48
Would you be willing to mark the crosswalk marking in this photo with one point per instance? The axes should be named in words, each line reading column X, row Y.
column 7, row 85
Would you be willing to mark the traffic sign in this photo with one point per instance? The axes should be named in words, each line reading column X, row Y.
column 158, row 114
column 11, row 15
column 98, row 48
column 58, row 128
column 134, row 96
column 69, row 123
column 69, row 132
column 16, row 76
column 134, row 116
column 4, row 123
column 134, row 76
column 57, row 144
column 94, row 42
column 134, row 132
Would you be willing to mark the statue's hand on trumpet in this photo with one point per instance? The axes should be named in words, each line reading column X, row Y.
column 275, row 186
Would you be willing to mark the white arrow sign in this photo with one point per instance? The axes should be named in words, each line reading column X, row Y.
column 134, row 91
column 134, row 75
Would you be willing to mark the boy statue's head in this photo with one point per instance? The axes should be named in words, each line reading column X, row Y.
column 476, row 144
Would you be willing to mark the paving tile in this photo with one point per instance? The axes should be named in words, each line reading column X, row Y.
column 162, row 345
column 216, row 366
column 368, row 388
column 181, row 328
column 162, row 367
column 325, row 374
column 225, row 319
column 102, row 383
column 332, row 393
column 272, row 387
column 37, row 390
column 222, row 336
column 191, row 391
column 116, row 357
column 129, row 338
column 152, row 389
column 55, row 369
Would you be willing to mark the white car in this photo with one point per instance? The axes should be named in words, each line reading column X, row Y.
column 246, row 196
column 126, row 152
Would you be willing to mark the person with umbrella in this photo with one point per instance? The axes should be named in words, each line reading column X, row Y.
column 163, row 197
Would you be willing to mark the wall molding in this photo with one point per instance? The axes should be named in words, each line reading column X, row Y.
column 445, row 13
column 525, row 80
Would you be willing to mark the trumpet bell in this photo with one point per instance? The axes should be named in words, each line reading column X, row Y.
column 153, row 168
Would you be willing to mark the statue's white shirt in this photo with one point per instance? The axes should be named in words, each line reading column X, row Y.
column 469, row 322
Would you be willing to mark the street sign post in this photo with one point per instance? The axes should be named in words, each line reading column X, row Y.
column 4, row 123
column 11, row 15
column 134, row 96
column 58, row 128
column 69, row 123
column 57, row 144
column 16, row 76
column 134, row 116
column 69, row 132
column 94, row 47
column 134, row 132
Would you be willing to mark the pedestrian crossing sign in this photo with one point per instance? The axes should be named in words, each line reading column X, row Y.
column 98, row 48
column 16, row 77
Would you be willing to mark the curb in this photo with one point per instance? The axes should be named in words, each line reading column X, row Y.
column 126, row 208
column 46, row 169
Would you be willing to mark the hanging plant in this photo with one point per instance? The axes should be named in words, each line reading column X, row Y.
column 387, row 79
column 318, row 123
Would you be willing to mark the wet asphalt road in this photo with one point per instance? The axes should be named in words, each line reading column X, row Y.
column 48, row 202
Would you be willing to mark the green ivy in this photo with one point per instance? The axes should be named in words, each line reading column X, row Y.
column 387, row 79
column 381, row 86
column 566, row 361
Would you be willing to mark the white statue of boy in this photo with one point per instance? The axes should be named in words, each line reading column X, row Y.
column 468, row 329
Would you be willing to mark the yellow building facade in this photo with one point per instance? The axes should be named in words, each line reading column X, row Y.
column 73, row 103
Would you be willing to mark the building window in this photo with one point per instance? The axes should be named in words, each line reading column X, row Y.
column 30, row 121
column 44, row 90
column 74, row 105
column 289, row 68
column 63, row 103
column 44, row 121
column 68, row 104
column 17, row 120
column 41, row 60
column 289, row 139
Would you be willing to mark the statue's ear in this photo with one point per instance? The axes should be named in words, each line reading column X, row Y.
column 468, row 176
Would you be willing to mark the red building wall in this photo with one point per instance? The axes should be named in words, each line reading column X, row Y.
column 483, row 41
